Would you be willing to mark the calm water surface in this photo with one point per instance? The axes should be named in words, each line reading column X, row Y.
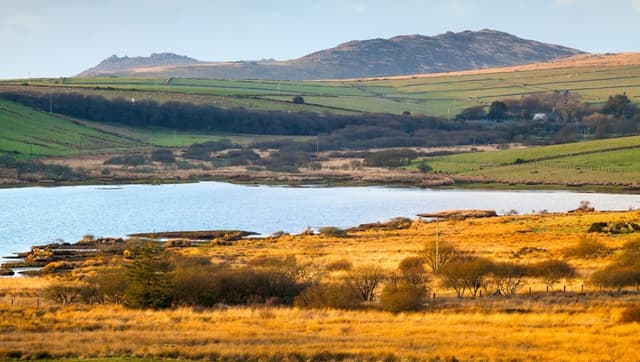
column 36, row 215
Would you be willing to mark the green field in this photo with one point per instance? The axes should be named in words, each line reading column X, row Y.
column 442, row 95
column 25, row 132
column 163, row 137
column 600, row 161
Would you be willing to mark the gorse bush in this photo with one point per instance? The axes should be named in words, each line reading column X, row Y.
column 332, row 295
column 631, row 314
column 403, row 297
column 333, row 231
column 128, row 160
column 587, row 249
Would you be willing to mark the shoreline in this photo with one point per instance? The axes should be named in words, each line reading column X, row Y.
column 302, row 180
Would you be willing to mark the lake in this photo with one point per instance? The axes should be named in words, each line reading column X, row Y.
column 39, row 215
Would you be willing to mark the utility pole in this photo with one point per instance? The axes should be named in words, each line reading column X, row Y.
column 437, row 263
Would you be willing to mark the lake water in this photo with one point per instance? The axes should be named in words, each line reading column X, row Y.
column 38, row 215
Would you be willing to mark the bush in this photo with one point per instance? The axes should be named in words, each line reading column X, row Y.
column 598, row 227
column 110, row 285
column 424, row 167
column 587, row 248
column 202, row 151
column 336, row 296
column 163, row 155
column 507, row 277
column 402, row 298
column 333, row 231
column 630, row 314
column 208, row 285
column 365, row 280
column 551, row 271
column 390, row 158
column 128, row 160
column 466, row 274
column 64, row 291
column 616, row 276
column 342, row 264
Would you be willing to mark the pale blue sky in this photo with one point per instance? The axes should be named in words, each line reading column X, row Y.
column 64, row 37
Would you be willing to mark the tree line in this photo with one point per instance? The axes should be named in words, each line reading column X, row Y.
column 369, row 130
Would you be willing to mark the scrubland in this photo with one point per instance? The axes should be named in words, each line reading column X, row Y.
column 574, row 320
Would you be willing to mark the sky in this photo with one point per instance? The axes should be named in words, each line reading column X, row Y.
column 56, row 38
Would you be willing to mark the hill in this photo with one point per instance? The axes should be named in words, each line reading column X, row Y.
column 593, row 77
column 364, row 58
column 25, row 132
column 115, row 64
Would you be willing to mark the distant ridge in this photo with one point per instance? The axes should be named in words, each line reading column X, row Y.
column 400, row 55
column 115, row 64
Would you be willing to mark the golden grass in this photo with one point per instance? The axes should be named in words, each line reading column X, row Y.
column 581, row 334
column 542, row 326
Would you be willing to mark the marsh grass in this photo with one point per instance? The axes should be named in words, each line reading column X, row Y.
column 579, row 324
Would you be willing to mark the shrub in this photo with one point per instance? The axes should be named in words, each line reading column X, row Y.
column 390, row 158
column 110, row 285
column 208, row 285
column 630, row 314
column 403, row 297
column 342, row 264
column 551, row 271
column 163, row 155
column 57, row 267
column 587, row 248
column 365, row 280
column 333, row 231
column 436, row 260
column 466, row 274
column 424, row 167
column 616, row 276
column 128, row 160
column 63, row 291
column 337, row 296
column 598, row 227
column 507, row 277
column 298, row 100
column 202, row 151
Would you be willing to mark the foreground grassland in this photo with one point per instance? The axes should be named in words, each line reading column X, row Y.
column 578, row 324
column 438, row 94
column 611, row 161
column 26, row 132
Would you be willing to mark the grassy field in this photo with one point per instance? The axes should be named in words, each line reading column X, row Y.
column 440, row 95
column 600, row 161
column 575, row 325
column 25, row 132
column 164, row 137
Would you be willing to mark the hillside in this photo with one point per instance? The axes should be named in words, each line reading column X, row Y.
column 606, row 162
column 115, row 64
column 25, row 132
column 593, row 77
column 364, row 58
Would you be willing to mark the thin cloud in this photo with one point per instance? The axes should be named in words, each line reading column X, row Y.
column 635, row 5
column 564, row 3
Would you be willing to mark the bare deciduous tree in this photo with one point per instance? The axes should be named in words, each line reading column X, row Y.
column 365, row 280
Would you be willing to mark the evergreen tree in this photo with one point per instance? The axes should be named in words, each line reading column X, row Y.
column 497, row 111
column 149, row 275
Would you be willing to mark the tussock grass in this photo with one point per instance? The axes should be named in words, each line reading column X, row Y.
column 572, row 325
